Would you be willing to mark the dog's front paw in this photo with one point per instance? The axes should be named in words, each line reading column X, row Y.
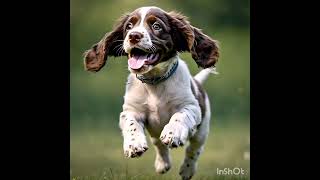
column 174, row 134
column 135, row 146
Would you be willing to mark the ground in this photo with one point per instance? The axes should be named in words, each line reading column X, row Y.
column 96, row 154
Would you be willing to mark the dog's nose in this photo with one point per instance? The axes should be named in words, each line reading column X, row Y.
column 135, row 37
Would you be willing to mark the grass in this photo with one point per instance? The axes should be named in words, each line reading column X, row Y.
column 96, row 154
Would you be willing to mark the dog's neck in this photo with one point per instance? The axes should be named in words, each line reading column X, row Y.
column 160, row 72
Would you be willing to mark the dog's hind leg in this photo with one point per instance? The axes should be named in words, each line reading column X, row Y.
column 195, row 147
column 188, row 168
column 162, row 163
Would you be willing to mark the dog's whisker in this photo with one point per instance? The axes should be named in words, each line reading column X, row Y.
column 119, row 51
column 117, row 41
column 122, row 51
column 117, row 46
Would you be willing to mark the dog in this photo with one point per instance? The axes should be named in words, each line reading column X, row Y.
column 161, row 95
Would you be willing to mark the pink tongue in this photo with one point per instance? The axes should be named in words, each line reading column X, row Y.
column 136, row 62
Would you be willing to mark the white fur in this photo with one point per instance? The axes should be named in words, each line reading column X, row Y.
column 133, row 133
column 145, row 42
column 143, row 12
column 171, row 113
column 203, row 75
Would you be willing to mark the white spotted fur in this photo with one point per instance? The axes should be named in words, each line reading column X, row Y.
column 156, row 108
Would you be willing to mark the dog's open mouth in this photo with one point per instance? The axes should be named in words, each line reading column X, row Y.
column 138, row 58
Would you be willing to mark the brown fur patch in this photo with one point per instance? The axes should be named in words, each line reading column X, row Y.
column 183, row 35
column 205, row 51
column 96, row 57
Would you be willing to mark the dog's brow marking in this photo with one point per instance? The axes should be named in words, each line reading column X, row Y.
column 143, row 13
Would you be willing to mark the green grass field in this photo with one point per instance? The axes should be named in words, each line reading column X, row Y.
column 97, row 154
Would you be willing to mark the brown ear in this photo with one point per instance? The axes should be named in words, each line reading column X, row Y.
column 110, row 45
column 204, row 50
column 182, row 32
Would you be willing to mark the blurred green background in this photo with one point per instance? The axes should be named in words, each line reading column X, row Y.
column 96, row 98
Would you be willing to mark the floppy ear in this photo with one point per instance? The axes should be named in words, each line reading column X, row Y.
column 182, row 32
column 204, row 50
column 110, row 45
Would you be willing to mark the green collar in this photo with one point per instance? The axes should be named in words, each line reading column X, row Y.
column 157, row 80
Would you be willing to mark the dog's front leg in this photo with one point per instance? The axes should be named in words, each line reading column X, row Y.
column 181, row 125
column 134, row 139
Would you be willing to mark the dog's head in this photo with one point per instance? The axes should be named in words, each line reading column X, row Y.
column 149, row 36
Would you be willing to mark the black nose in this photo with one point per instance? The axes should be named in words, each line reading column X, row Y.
column 135, row 37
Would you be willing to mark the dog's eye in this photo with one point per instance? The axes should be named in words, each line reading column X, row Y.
column 156, row 26
column 129, row 26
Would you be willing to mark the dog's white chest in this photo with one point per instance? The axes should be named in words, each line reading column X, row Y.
column 160, row 110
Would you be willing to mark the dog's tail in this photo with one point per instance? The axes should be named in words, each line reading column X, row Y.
column 203, row 75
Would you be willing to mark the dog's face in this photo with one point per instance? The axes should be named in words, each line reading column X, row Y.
column 149, row 36
column 148, row 39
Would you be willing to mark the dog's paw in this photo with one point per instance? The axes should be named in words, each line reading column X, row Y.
column 135, row 146
column 162, row 165
column 174, row 134
column 187, row 170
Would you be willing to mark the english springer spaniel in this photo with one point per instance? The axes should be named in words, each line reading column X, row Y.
column 161, row 95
